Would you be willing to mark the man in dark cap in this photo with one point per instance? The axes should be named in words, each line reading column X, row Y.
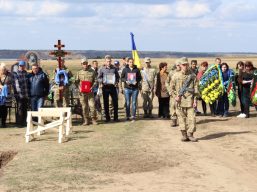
column 21, row 93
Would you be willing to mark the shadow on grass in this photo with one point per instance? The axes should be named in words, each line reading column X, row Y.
column 222, row 134
column 203, row 121
column 55, row 139
column 82, row 131
column 68, row 139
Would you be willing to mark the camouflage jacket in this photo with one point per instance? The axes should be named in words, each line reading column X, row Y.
column 148, row 74
column 177, row 82
column 86, row 75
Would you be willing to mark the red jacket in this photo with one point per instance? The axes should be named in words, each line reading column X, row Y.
column 200, row 74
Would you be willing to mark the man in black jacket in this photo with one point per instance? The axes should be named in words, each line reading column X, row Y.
column 131, row 77
column 38, row 87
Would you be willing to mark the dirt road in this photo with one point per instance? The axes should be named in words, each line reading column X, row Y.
column 225, row 159
column 146, row 155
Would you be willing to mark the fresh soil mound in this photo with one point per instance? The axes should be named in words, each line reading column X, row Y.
column 5, row 157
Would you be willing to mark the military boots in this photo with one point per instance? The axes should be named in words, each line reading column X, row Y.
column 184, row 136
column 174, row 122
column 191, row 137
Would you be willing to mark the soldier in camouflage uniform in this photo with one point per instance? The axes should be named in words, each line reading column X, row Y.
column 87, row 99
column 184, row 90
column 173, row 105
column 148, row 81
column 62, row 100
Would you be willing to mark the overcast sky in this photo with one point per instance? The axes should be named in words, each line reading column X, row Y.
column 164, row 25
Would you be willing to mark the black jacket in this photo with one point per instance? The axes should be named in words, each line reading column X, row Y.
column 124, row 77
column 38, row 84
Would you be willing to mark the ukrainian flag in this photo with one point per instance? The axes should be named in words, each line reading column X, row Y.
column 134, row 52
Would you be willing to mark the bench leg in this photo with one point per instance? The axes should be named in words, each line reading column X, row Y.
column 41, row 120
column 29, row 124
column 61, row 134
column 67, row 128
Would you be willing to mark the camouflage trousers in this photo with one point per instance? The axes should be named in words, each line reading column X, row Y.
column 147, row 100
column 186, row 119
column 173, row 106
column 64, row 101
column 88, row 105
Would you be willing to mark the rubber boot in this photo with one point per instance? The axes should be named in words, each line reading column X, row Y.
column 150, row 114
column 184, row 136
column 191, row 137
column 145, row 114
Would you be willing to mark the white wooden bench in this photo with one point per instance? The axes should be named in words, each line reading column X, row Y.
column 63, row 116
column 68, row 117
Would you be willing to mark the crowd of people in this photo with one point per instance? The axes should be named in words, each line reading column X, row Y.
column 176, row 90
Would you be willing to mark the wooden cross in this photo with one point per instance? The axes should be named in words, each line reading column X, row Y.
column 59, row 53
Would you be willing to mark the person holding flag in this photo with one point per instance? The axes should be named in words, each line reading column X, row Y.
column 131, row 78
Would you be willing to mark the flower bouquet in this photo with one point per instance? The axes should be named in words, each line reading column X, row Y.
column 231, row 87
column 211, row 84
column 254, row 89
